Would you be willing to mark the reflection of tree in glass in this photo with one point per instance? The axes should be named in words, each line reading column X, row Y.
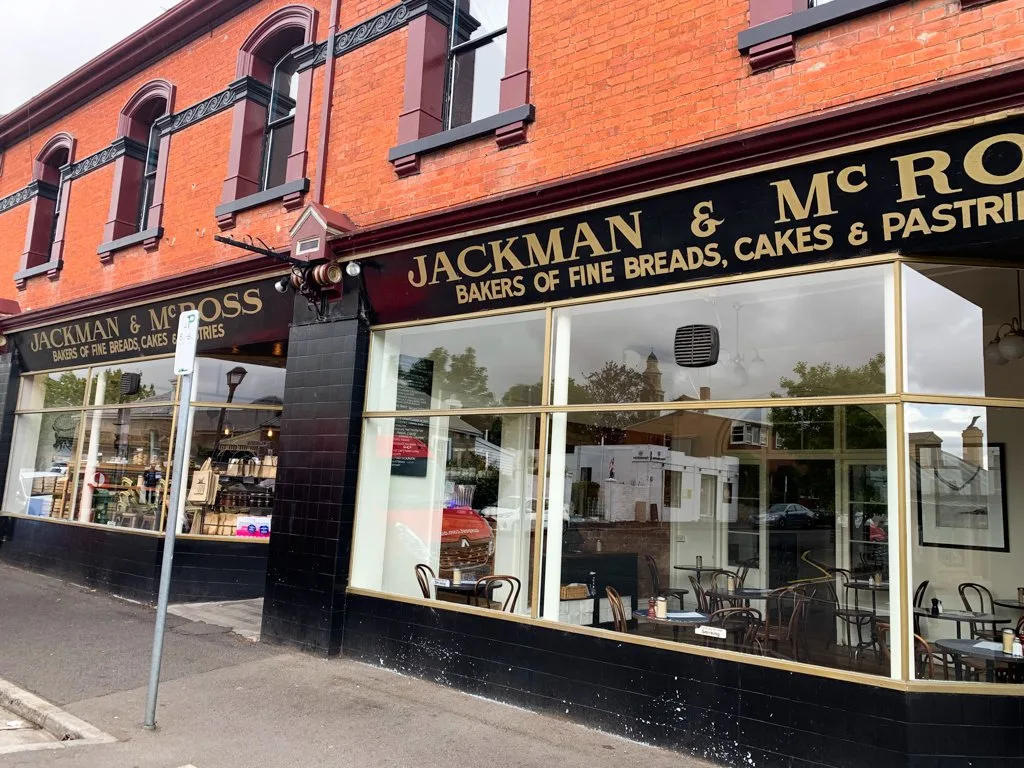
column 812, row 427
column 460, row 377
column 69, row 389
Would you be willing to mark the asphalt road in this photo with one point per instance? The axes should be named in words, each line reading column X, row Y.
column 228, row 703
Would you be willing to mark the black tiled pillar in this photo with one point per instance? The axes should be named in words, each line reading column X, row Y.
column 308, row 558
column 10, row 371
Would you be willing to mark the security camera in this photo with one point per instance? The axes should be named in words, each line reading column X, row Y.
column 281, row 286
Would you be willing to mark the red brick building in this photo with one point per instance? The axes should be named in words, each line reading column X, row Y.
column 541, row 207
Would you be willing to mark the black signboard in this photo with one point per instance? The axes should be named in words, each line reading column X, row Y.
column 235, row 315
column 412, row 435
column 949, row 190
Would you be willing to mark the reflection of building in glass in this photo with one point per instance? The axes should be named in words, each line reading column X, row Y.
column 958, row 489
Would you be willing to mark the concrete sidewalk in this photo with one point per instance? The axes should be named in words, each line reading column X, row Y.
column 229, row 703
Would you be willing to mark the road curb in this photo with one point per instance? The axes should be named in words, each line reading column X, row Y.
column 65, row 726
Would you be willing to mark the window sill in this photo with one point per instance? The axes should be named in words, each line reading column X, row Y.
column 51, row 269
column 807, row 21
column 405, row 157
column 150, row 239
column 225, row 212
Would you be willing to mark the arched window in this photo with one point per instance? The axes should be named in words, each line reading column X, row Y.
column 44, row 240
column 270, row 164
column 279, row 136
column 136, row 200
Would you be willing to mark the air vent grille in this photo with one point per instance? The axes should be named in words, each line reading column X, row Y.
column 696, row 346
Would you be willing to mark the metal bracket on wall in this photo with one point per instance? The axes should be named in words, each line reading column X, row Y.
column 316, row 282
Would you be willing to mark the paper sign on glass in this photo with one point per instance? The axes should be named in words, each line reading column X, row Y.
column 718, row 632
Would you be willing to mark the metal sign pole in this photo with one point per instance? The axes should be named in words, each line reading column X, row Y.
column 184, row 366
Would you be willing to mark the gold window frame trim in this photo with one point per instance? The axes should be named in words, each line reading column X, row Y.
column 898, row 398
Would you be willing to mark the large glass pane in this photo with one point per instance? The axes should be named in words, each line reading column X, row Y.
column 133, row 382
column 121, row 477
column 239, row 380
column 37, row 479
column 278, row 147
column 476, row 18
column 446, row 505
column 489, row 362
column 964, row 477
column 475, row 80
column 734, row 528
column 52, row 390
column 241, row 446
column 807, row 336
column 963, row 330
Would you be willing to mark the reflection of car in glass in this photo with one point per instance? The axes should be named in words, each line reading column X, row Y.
column 507, row 512
column 467, row 543
column 785, row 516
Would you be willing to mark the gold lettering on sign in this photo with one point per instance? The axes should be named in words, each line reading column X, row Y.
column 974, row 160
column 544, row 256
column 818, row 197
column 909, row 172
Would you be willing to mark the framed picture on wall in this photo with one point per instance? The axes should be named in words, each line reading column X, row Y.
column 961, row 501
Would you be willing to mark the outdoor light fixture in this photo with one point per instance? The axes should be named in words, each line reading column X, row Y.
column 352, row 269
column 281, row 286
column 235, row 377
column 1010, row 346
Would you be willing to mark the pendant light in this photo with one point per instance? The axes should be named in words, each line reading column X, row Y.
column 756, row 366
column 1010, row 346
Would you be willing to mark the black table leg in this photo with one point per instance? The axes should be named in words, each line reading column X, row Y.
column 957, row 666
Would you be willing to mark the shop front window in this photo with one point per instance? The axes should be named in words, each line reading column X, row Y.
column 95, row 445
column 123, row 471
column 965, row 475
column 806, row 336
column 749, row 546
column 963, row 330
column 44, row 447
column 233, row 453
column 448, row 509
column 483, row 364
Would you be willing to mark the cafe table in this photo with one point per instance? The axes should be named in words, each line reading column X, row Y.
column 698, row 569
column 743, row 593
column 990, row 652
column 867, row 586
column 1008, row 602
column 973, row 617
column 675, row 619
column 461, row 588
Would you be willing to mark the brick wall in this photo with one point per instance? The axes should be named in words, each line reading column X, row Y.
column 610, row 83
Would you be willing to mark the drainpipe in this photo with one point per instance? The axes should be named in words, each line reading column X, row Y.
column 325, row 109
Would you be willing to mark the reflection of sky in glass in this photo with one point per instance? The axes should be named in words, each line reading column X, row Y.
column 491, row 15
column 510, row 348
column 945, row 338
column 479, row 72
column 946, row 421
column 833, row 317
column 260, row 382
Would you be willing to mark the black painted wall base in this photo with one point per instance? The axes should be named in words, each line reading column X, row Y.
column 128, row 564
column 727, row 712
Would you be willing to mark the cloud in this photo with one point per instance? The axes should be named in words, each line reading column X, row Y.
column 45, row 40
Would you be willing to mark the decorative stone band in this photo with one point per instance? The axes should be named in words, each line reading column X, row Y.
column 23, row 195
column 315, row 54
column 311, row 55
column 117, row 148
